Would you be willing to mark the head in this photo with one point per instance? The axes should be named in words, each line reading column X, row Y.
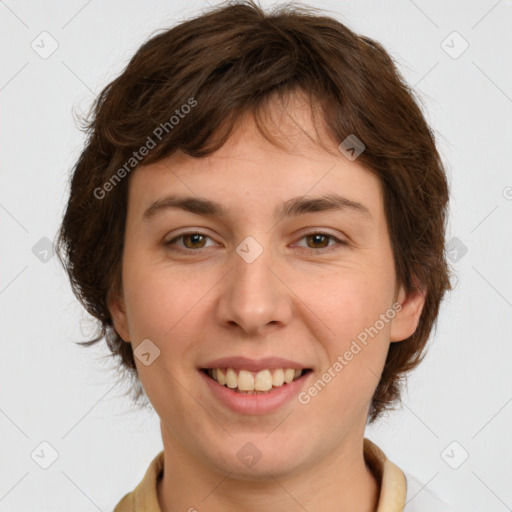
column 248, row 110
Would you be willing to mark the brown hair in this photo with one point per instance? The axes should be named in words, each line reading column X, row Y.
column 231, row 60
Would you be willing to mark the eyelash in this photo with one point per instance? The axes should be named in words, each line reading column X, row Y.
column 321, row 249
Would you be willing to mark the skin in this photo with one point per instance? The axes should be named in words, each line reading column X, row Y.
column 302, row 299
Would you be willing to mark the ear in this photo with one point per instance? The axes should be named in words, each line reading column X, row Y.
column 117, row 310
column 407, row 318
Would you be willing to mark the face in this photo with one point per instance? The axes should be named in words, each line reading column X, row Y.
column 255, row 283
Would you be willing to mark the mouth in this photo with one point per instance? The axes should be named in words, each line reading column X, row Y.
column 249, row 382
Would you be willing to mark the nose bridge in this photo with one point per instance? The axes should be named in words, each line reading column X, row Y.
column 253, row 296
column 252, row 279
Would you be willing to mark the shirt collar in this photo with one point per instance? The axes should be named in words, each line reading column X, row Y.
column 390, row 478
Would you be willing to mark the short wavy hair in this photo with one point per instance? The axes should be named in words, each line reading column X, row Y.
column 232, row 59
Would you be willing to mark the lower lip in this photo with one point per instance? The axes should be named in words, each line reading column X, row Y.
column 259, row 403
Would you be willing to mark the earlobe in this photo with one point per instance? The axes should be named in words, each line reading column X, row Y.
column 118, row 312
column 407, row 318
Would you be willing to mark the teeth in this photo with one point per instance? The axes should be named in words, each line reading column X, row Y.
column 231, row 380
column 245, row 381
column 289, row 373
column 263, row 380
column 278, row 377
column 219, row 377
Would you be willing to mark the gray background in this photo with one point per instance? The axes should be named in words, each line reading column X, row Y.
column 458, row 402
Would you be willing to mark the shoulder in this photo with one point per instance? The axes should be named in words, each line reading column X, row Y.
column 420, row 499
column 125, row 504
column 145, row 495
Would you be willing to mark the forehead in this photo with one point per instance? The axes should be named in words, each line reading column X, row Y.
column 250, row 172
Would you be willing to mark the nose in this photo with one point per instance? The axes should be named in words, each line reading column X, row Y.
column 254, row 295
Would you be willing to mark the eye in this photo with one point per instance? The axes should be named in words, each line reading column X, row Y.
column 196, row 240
column 318, row 238
column 192, row 240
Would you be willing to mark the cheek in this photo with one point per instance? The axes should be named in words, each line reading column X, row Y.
column 350, row 307
column 346, row 384
column 161, row 300
column 347, row 301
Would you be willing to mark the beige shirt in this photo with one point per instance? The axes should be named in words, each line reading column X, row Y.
column 390, row 478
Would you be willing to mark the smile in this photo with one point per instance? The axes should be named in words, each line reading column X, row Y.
column 253, row 401
column 250, row 382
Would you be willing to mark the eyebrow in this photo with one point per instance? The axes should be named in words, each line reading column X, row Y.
column 291, row 208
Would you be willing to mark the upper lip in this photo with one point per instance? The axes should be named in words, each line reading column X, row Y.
column 254, row 365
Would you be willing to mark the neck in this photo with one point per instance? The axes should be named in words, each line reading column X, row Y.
column 341, row 483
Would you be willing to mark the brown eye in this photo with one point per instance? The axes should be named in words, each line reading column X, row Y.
column 191, row 241
column 318, row 241
column 194, row 241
